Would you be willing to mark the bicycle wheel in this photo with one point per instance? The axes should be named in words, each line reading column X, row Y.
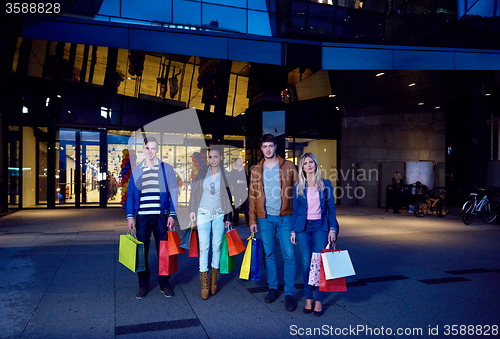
column 442, row 208
column 420, row 208
column 467, row 213
column 489, row 212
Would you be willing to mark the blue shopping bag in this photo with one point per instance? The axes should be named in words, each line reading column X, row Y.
column 255, row 261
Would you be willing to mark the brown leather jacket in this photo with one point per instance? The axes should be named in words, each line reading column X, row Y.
column 256, row 196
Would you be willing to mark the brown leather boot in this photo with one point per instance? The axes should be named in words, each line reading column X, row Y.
column 204, row 285
column 214, row 276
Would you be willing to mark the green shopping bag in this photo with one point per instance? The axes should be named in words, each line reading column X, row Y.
column 227, row 262
column 131, row 252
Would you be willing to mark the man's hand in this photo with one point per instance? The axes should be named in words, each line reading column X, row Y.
column 253, row 228
column 131, row 224
column 170, row 223
column 292, row 238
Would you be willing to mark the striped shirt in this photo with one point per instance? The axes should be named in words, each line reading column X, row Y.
column 150, row 192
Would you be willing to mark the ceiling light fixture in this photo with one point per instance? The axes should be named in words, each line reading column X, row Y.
column 420, row 103
column 412, row 84
column 379, row 74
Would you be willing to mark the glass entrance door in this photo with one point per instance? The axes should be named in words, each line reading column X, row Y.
column 78, row 166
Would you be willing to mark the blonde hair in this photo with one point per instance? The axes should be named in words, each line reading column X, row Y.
column 301, row 185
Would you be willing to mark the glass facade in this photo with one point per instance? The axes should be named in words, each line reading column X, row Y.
column 239, row 16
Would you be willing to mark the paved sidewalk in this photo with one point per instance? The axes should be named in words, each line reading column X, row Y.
column 60, row 278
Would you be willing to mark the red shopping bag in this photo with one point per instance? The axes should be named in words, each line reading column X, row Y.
column 194, row 244
column 167, row 264
column 174, row 243
column 332, row 285
column 234, row 243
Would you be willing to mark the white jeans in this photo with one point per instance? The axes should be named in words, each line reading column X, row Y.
column 205, row 224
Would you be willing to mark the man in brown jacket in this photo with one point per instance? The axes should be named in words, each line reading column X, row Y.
column 270, row 201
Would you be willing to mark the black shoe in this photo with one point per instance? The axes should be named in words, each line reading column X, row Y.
column 290, row 304
column 308, row 310
column 167, row 291
column 319, row 313
column 141, row 293
column 271, row 296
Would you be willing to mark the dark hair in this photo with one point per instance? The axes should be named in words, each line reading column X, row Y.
column 150, row 139
column 238, row 158
column 220, row 149
column 268, row 138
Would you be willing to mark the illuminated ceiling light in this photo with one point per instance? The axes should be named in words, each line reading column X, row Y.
column 338, row 109
column 242, row 113
column 379, row 74
column 25, row 109
column 420, row 103
column 47, row 102
column 487, row 94
column 332, row 95
column 69, row 112
column 437, row 107
column 59, row 95
column 412, row 84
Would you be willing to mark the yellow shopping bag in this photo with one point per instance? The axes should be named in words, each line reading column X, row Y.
column 131, row 252
column 247, row 259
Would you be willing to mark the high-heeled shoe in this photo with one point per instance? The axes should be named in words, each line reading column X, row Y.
column 309, row 310
column 319, row 313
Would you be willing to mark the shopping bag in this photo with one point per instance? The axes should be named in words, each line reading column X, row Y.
column 255, row 261
column 174, row 242
column 131, row 252
column 314, row 269
column 234, row 242
column 337, row 264
column 167, row 264
column 247, row 259
column 187, row 236
column 227, row 262
column 332, row 285
column 194, row 244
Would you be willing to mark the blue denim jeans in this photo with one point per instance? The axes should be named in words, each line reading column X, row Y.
column 268, row 228
column 207, row 224
column 145, row 225
column 312, row 239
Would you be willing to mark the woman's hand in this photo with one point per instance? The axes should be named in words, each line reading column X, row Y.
column 192, row 217
column 292, row 238
column 332, row 236
column 228, row 224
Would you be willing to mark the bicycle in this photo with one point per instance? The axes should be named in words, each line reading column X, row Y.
column 485, row 208
column 438, row 205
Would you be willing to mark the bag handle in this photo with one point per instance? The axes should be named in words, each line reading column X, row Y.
column 132, row 233
column 329, row 245
column 252, row 236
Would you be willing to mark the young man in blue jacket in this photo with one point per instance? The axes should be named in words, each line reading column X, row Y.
column 151, row 208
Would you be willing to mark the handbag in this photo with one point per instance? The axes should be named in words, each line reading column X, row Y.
column 255, row 261
column 332, row 285
column 186, row 237
column 247, row 258
column 314, row 269
column 131, row 252
column 190, row 241
column 337, row 264
column 167, row 264
column 174, row 243
column 227, row 262
column 234, row 242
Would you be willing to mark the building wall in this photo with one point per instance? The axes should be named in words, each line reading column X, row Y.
column 386, row 143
